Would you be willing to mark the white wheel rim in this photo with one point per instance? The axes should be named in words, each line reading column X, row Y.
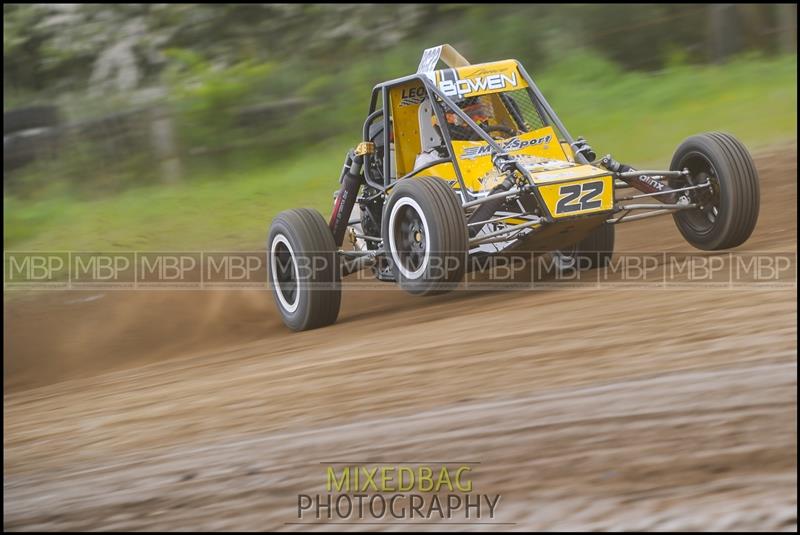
column 408, row 201
column 288, row 307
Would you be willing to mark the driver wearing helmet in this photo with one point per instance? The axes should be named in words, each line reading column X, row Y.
column 476, row 108
column 479, row 109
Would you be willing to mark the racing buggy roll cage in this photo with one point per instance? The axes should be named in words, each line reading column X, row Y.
column 358, row 169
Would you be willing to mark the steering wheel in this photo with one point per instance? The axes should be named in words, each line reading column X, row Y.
column 489, row 128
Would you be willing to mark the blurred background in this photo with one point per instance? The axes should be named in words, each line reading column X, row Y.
column 189, row 126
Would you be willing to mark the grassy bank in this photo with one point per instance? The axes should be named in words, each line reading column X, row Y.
column 640, row 118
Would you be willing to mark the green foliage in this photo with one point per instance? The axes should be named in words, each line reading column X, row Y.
column 227, row 212
column 207, row 96
column 641, row 117
column 53, row 47
column 642, row 36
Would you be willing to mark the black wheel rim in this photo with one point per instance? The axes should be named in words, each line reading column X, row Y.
column 410, row 240
column 703, row 218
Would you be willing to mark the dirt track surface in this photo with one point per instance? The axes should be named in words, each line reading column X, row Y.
column 586, row 409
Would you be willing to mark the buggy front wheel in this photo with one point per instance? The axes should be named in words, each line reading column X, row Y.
column 425, row 235
column 727, row 209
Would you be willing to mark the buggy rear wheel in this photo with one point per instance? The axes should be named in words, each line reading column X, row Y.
column 728, row 208
column 303, row 269
column 425, row 235
column 592, row 252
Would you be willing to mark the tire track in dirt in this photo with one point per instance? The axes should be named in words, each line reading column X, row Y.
column 641, row 446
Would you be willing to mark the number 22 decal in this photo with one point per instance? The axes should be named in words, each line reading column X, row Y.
column 578, row 197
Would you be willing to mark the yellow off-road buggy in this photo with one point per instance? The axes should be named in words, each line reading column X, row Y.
column 471, row 160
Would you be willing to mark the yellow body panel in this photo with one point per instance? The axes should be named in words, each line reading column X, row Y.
column 568, row 151
column 579, row 197
column 574, row 172
column 443, row 170
column 476, row 164
column 405, row 100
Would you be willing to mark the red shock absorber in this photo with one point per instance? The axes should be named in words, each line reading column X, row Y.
column 346, row 198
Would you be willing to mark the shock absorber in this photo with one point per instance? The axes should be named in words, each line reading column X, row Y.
column 350, row 181
column 487, row 209
column 643, row 183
